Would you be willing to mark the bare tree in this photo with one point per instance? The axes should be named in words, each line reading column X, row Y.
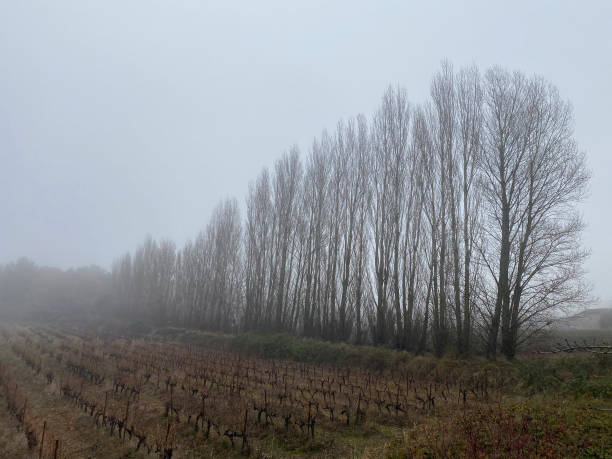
column 287, row 180
column 443, row 136
column 364, row 164
column 469, row 111
column 391, row 129
column 315, row 191
column 258, row 245
column 534, row 174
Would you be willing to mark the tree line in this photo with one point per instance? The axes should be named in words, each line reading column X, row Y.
column 450, row 223
column 27, row 289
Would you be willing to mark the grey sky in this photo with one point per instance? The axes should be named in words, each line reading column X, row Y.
column 120, row 119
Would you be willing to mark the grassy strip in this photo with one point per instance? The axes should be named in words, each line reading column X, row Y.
column 541, row 427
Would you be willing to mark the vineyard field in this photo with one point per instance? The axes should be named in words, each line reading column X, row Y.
column 71, row 394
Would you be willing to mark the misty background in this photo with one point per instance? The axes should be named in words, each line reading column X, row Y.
column 122, row 119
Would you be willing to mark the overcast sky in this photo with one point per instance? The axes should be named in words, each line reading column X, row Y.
column 120, row 119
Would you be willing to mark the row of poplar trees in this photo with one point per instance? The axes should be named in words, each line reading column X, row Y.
column 451, row 224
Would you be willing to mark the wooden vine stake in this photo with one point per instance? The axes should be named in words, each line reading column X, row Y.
column 25, row 407
column 55, row 449
column 171, row 402
column 127, row 411
column 42, row 440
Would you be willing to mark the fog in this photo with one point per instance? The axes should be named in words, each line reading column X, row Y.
column 123, row 119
